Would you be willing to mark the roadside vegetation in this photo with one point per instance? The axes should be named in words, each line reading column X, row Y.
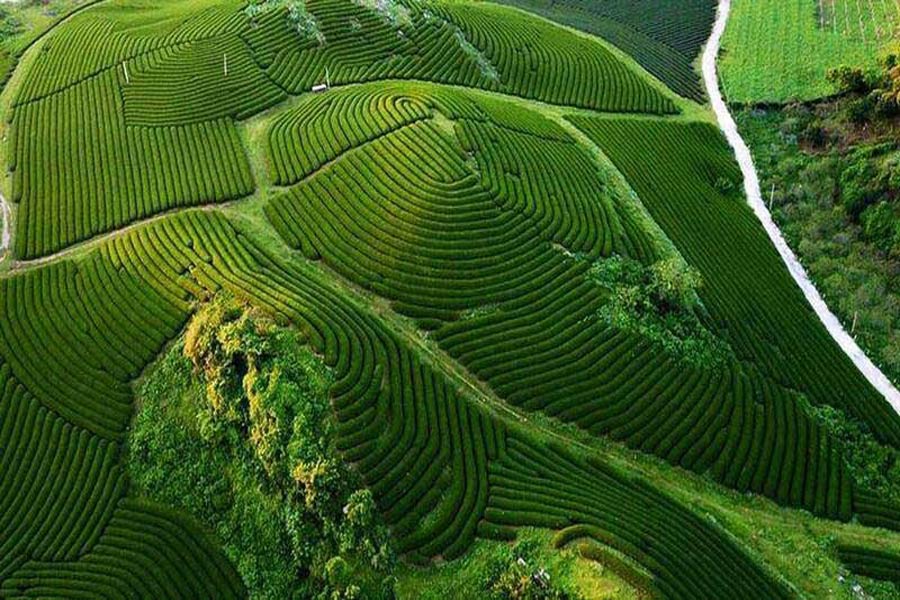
column 830, row 171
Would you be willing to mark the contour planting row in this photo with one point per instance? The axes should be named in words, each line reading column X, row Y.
column 686, row 178
column 139, row 120
column 425, row 449
column 664, row 37
column 78, row 171
column 107, row 35
column 66, row 528
column 466, row 43
column 145, row 551
column 550, row 487
column 489, row 244
column 202, row 80
column 76, row 335
column 870, row 562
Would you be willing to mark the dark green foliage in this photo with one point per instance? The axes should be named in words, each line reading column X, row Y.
column 664, row 36
column 874, row 466
column 9, row 24
column 748, row 293
column 246, row 444
column 836, row 201
column 660, row 303
column 549, row 487
column 877, row 564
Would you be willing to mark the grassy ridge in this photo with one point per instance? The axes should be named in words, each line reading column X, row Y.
column 429, row 467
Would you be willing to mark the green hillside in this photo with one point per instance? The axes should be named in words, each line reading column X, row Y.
column 489, row 291
column 664, row 37
column 781, row 50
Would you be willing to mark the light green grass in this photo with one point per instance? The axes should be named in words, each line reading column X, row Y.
column 464, row 578
column 781, row 50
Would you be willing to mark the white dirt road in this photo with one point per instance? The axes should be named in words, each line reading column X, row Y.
column 751, row 185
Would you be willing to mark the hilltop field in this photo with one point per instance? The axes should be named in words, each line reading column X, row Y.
column 441, row 298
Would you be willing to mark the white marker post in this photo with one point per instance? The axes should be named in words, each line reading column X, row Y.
column 225, row 63
column 125, row 69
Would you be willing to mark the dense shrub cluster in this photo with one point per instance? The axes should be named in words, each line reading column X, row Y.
column 660, row 303
column 261, row 416
column 747, row 292
column 403, row 228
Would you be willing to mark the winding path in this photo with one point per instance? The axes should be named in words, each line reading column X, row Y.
column 5, row 217
column 751, row 185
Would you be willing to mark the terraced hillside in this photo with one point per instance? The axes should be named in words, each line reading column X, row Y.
column 450, row 226
column 664, row 37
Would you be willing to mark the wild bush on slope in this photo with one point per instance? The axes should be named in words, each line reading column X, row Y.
column 425, row 451
column 665, row 37
column 491, row 244
column 243, row 403
column 675, row 168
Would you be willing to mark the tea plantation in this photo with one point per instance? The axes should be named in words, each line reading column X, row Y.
column 522, row 266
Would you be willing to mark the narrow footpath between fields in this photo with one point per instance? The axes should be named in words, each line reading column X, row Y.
column 5, row 216
column 751, row 185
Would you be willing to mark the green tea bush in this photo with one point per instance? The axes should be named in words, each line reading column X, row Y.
column 664, row 37
column 553, row 340
column 747, row 290
column 660, row 303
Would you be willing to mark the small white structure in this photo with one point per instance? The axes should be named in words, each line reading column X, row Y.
column 321, row 87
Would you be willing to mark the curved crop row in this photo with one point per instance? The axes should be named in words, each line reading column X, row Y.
column 664, row 37
column 138, row 121
column 145, row 551
column 107, row 35
column 430, row 455
column 58, row 483
column 76, row 336
column 202, row 80
column 550, row 487
column 695, row 198
column 870, row 562
column 481, row 244
column 78, row 171
column 471, row 44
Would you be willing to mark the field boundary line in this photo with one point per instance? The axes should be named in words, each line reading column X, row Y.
column 870, row 371
column 6, row 215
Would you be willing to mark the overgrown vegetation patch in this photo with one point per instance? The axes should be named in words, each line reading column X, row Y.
column 235, row 426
